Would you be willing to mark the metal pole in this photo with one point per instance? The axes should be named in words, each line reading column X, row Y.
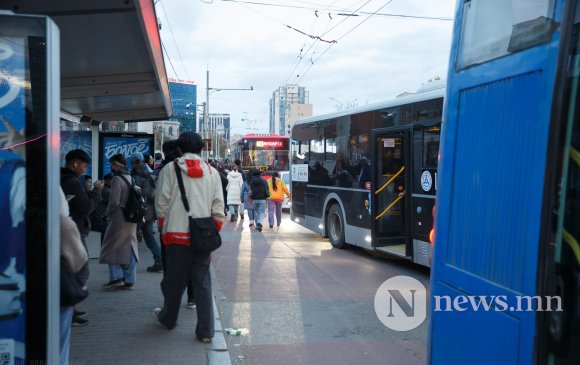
column 206, row 111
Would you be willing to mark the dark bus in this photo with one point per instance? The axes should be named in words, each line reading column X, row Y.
column 366, row 177
column 508, row 209
column 266, row 152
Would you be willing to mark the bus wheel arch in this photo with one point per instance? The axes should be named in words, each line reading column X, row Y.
column 335, row 226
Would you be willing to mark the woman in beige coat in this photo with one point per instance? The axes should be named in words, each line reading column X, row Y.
column 119, row 248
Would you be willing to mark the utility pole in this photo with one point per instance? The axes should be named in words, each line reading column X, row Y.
column 206, row 112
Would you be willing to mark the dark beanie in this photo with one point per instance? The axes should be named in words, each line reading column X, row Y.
column 190, row 141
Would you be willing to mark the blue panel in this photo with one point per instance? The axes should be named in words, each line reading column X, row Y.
column 498, row 132
column 474, row 338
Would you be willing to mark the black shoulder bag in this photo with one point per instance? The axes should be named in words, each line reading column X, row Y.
column 203, row 234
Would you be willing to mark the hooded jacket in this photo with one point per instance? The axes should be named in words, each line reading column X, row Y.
column 281, row 189
column 234, row 188
column 204, row 193
column 259, row 188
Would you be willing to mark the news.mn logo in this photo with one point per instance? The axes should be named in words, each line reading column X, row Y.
column 401, row 303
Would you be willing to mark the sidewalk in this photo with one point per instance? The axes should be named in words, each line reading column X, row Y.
column 122, row 329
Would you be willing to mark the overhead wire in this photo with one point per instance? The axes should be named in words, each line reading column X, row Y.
column 341, row 37
column 174, row 41
column 364, row 20
column 169, row 59
column 344, row 12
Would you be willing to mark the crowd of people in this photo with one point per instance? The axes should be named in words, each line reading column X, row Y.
column 212, row 190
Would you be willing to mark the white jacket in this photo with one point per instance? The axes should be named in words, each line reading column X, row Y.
column 234, row 188
column 203, row 188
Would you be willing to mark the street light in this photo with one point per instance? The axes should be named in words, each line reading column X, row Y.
column 206, row 110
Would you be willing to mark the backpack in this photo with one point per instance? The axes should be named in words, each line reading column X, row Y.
column 135, row 208
column 147, row 185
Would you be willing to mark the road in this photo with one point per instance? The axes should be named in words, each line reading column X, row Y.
column 307, row 303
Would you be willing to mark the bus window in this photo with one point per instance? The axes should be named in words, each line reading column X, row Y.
column 316, row 152
column 430, row 148
column 389, row 117
column 489, row 31
column 428, row 110
column 330, row 155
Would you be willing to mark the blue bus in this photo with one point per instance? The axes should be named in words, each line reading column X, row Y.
column 505, row 280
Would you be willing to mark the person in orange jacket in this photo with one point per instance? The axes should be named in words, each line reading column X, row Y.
column 277, row 189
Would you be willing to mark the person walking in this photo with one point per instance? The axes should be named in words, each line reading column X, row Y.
column 277, row 189
column 81, row 205
column 259, row 188
column 203, row 189
column 141, row 173
column 119, row 248
column 247, row 199
column 234, row 189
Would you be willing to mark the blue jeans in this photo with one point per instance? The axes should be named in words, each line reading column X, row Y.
column 274, row 206
column 151, row 241
column 259, row 210
column 234, row 209
column 126, row 272
column 66, row 314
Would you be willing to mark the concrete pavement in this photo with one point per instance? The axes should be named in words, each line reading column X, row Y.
column 122, row 329
column 305, row 302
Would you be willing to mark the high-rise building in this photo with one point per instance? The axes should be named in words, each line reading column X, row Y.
column 218, row 130
column 288, row 104
column 184, row 99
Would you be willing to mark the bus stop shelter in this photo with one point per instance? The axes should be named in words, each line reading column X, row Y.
column 112, row 66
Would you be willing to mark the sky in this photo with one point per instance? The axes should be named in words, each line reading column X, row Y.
column 244, row 44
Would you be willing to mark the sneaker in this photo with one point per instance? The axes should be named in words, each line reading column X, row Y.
column 259, row 227
column 190, row 304
column 155, row 268
column 79, row 322
column 204, row 339
column 251, row 224
column 232, row 218
column 271, row 226
column 127, row 286
column 241, row 216
column 157, row 314
column 113, row 284
column 79, row 313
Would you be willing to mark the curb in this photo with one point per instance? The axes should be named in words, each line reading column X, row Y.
column 217, row 352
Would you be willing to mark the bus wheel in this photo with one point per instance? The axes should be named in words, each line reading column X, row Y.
column 335, row 226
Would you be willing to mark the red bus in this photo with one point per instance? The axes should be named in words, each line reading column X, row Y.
column 265, row 152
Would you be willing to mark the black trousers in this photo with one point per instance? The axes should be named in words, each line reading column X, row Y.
column 182, row 265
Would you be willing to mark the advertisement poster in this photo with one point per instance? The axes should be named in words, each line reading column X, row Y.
column 13, row 81
column 124, row 143
column 72, row 140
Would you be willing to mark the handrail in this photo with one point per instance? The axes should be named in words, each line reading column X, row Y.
column 571, row 241
column 390, row 180
column 390, row 206
column 575, row 155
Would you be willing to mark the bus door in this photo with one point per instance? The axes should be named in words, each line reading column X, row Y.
column 391, row 190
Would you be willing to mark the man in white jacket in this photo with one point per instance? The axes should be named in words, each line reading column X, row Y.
column 205, row 197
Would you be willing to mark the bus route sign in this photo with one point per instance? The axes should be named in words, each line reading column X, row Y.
column 300, row 173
